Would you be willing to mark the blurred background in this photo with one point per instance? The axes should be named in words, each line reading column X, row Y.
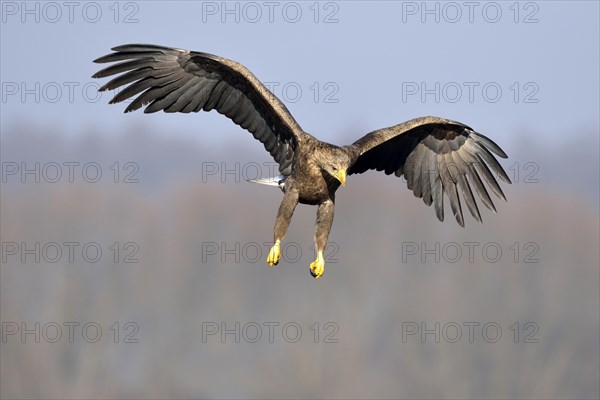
column 133, row 250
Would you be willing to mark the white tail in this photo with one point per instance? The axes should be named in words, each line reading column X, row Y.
column 278, row 181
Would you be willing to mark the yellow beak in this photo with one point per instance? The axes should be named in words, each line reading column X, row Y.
column 341, row 176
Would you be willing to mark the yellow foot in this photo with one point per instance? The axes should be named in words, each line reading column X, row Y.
column 274, row 254
column 317, row 267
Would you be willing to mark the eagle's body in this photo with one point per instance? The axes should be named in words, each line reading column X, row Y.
column 436, row 156
column 307, row 177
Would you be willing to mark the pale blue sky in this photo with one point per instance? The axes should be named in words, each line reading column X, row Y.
column 374, row 58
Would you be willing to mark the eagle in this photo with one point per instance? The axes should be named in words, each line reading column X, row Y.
column 436, row 156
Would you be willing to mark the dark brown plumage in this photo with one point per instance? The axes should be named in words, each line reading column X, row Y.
column 435, row 155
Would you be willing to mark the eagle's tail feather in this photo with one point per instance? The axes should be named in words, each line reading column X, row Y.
column 278, row 181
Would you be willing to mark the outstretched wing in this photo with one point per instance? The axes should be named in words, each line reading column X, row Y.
column 436, row 156
column 176, row 80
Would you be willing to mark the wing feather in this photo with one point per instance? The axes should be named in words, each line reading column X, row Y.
column 464, row 186
column 425, row 177
column 176, row 80
column 435, row 180
column 418, row 166
column 489, row 178
column 449, row 184
column 438, row 157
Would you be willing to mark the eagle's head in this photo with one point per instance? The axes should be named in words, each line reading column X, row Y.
column 335, row 161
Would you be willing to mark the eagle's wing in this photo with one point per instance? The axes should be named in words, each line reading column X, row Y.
column 436, row 156
column 176, row 80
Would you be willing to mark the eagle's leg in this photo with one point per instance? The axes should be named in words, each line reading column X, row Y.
column 284, row 216
column 322, row 229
